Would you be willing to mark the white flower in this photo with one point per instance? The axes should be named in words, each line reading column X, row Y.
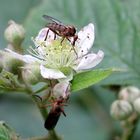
column 59, row 60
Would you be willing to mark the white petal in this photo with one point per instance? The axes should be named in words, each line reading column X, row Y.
column 61, row 90
column 91, row 60
column 51, row 73
column 25, row 58
column 85, row 39
column 42, row 35
column 30, row 59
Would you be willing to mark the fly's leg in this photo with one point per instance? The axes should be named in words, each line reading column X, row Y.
column 46, row 35
column 74, row 39
column 73, row 43
column 56, row 33
column 62, row 110
column 62, row 40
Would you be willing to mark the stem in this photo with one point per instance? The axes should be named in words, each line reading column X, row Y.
column 51, row 134
column 38, row 138
column 42, row 110
column 129, row 127
column 42, row 89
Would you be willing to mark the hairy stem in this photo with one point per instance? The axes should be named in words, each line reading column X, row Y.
column 129, row 127
column 42, row 110
column 51, row 134
column 39, row 138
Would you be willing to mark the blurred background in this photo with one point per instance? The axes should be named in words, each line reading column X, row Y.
column 117, row 26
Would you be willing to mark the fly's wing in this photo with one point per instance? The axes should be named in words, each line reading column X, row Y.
column 50, row 19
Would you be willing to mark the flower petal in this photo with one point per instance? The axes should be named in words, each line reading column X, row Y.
column 61, row 89
column 51, row 73
column 43, row 39
column 25, row 58
column 85, row 39
column 91, row 60
column 30, row 59
column 43, row 34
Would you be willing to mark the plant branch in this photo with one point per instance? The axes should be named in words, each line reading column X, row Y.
column 41, row 89
column 129, row 127
column 39, row 138
column 42, row 110
column 51, row 134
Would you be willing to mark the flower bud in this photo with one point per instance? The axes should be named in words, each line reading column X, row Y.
column 136, row 105
column 10, row 63
column 121, row 110
column 31, row 74
column 14, row 33
column 61, row 89
column 129, row 94
column 6, row 132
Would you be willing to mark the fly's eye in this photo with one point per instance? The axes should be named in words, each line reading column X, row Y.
column 74, row 30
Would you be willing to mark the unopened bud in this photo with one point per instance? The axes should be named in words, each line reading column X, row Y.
column 61, row 89
column 14, row 33
column 6, row 132
column 129, row 94
column 10, row 63
column 137, row 105
column 121, row 110
column 31, row 74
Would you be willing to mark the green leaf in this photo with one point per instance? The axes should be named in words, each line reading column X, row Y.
column 86, row 79
column 116, row 25
column 6, row 133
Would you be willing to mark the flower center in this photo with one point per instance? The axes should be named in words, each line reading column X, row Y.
column 57, row 54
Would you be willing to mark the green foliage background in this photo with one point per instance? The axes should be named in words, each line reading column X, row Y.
column 117, row 34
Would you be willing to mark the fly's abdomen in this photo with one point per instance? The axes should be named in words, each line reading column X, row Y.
column 52, row 119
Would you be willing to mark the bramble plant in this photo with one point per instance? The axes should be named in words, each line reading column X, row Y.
column 60, row 65
column 62, row 68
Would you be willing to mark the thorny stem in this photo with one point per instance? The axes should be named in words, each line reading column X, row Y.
column 51, row 134
column 129, row 127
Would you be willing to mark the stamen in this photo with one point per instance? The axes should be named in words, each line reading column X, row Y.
column 56, row 55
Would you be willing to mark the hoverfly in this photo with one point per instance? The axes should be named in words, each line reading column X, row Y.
column 55, row 112
column 65, row 31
